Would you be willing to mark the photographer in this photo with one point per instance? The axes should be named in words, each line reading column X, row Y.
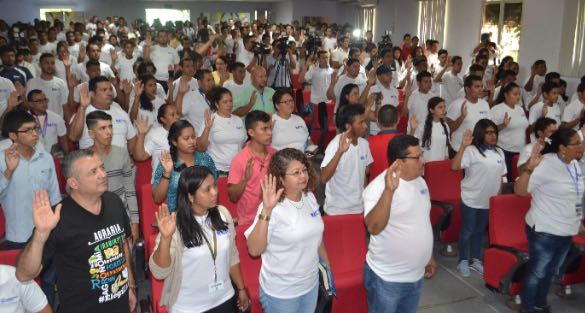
column 246, row 53
column 280, row 64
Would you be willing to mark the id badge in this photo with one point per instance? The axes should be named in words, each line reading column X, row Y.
column 216, row 286
column 579, row 209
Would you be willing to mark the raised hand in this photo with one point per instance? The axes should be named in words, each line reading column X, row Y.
column 413, row 122
column 84, row 97
column 138, row 88
column 166, row 161
column 167, row 222
column 44, row 218
column 12, row 101
column 464, row 109
column 252, row 98
column 20, row 89
column 126, row 86
column 544, row 110
column 72, row 80
column 467, row 138
column 507, row 120
column 82, row 51
column 66, row 60
column 344, row 141
column 535, row 157
column 270, row 197
column 249, row 169
column 334, row 77
column 183, row 85
column 372, row 78
column 12, row 157
column 208, row 119
column 142, row 125
column 392, row 177
column 113, row 56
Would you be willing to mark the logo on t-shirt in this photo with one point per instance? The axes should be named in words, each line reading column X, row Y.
column 298, row 126
column 483, row 112
column 424, row 191
column 224, row 232
column 120, row 121
column 315, row 213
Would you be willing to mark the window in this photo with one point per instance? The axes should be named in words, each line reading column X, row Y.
column 365, row 21
column 502, row 19
column 431, row 20
column 53, row 13
column 167, row 15
column 572, row 52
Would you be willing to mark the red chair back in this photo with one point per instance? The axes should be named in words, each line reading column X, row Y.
column 444, row 184
column 8, row 257
column 514, row 168
column 146, row 209
column 155, row 284
column 296, row 84
column 224, row 198
column 250, row 268
column 60, row 177
column 507, row 223
column 143, row 172
column 2, row 224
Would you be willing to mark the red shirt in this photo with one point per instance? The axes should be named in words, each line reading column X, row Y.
column 379, row 148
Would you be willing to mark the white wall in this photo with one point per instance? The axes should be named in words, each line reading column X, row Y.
column 282, row 12
column 326, row 8
column 398, row 16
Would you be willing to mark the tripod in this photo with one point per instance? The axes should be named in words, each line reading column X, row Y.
column 284, row 80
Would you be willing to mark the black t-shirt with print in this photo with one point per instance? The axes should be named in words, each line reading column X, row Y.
column 88, row 252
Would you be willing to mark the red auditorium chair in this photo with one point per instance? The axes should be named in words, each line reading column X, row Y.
column 331, row 130
column 250, row 268
column 8, row 257
column 573, row 268
column 445, row 189
column 515, row 167
column 60, row 177
column 143, row 173
column 504, row 260
column 345, row 241
column 296, row 83
column 224, row 198
column 155, row 284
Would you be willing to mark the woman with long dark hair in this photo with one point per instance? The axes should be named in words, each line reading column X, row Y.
column 435, row 133
column 198, row 241
column 288, row 234
column 183, row 154
column 146, row 102
column 555, row 180
column 509, row 115
column 350, row 95
column 484, row 167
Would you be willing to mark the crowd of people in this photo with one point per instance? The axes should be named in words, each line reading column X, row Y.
column 208, row 101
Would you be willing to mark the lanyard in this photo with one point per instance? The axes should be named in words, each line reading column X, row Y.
column 212, row 251
column 262, row 99
column 574, row 179
column 204, row 97
column 42, row 129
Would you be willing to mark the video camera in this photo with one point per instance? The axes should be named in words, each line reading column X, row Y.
column 385, row 43
column 260, row 48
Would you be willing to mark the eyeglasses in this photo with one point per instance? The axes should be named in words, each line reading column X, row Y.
column 574, row 144
column 418, row 157
column 298, row 173
column 28, row 131
column 40, row 100
column 291, row 101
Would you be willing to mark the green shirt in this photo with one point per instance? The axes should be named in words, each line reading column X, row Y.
column 263, row 101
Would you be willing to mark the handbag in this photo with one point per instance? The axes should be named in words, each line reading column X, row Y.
column 326, row 289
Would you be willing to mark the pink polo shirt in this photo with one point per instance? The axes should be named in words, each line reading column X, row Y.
column 247, row 206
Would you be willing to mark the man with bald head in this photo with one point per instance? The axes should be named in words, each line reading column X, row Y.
column 256, row 96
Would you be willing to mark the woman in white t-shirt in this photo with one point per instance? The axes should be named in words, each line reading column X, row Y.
column 554, row 179
column 198, row 241
column 223, row 134
column 290, row 130
column 288, row 233
column 484, row 167
column 146, row 102
column 509, row 115
column 544, row 127
column 434, row 139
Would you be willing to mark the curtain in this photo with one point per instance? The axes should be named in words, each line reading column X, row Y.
column 365, row 19
column 431, row 20
column 572, row 54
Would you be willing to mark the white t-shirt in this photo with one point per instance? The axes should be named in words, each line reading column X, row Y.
column 55, row 90
column 345, row 80
column 535, row 112
column 513, row 137
column 163, row 57
column 81, row 74
column 389, row 96
column 291, row 133
column 52, row 127
column 320, row 79
column 483, row 176
column 193, row 86
column 106, row 55
column 74, row 50
column 150, row 115
column 19, row 297
column 450, row 86
column 244, row 56
column 329, row 44
column 475, row 112
column 194, row 106
column 226, row 139
column 338, row 55
column 525, row 154
column 60, row 67
column 289, row 263
column 573, row 111
column 438, row 149
column 401, row 251
column 49, row 47
column 554, row 197
column 123, row 130
column 125, row 66
column 417, row 106
column 343, row 192
column 155, row 142
column 198, row 272
column 6, row 88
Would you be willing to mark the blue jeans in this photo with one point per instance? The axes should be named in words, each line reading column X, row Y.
column 389, row 297
column 474, row 223
column 547, row 253
column 302, row 304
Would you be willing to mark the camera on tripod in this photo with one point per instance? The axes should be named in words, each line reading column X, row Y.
column 385, row 43
column 260, row 48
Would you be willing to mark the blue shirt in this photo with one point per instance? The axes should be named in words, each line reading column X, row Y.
column 201, row 158
column 18, row 73
column 16, row 194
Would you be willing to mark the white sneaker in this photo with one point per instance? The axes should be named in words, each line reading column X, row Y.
column 463, row 268
column 477, row 266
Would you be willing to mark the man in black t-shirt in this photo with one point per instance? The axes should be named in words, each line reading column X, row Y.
column 85, row 236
